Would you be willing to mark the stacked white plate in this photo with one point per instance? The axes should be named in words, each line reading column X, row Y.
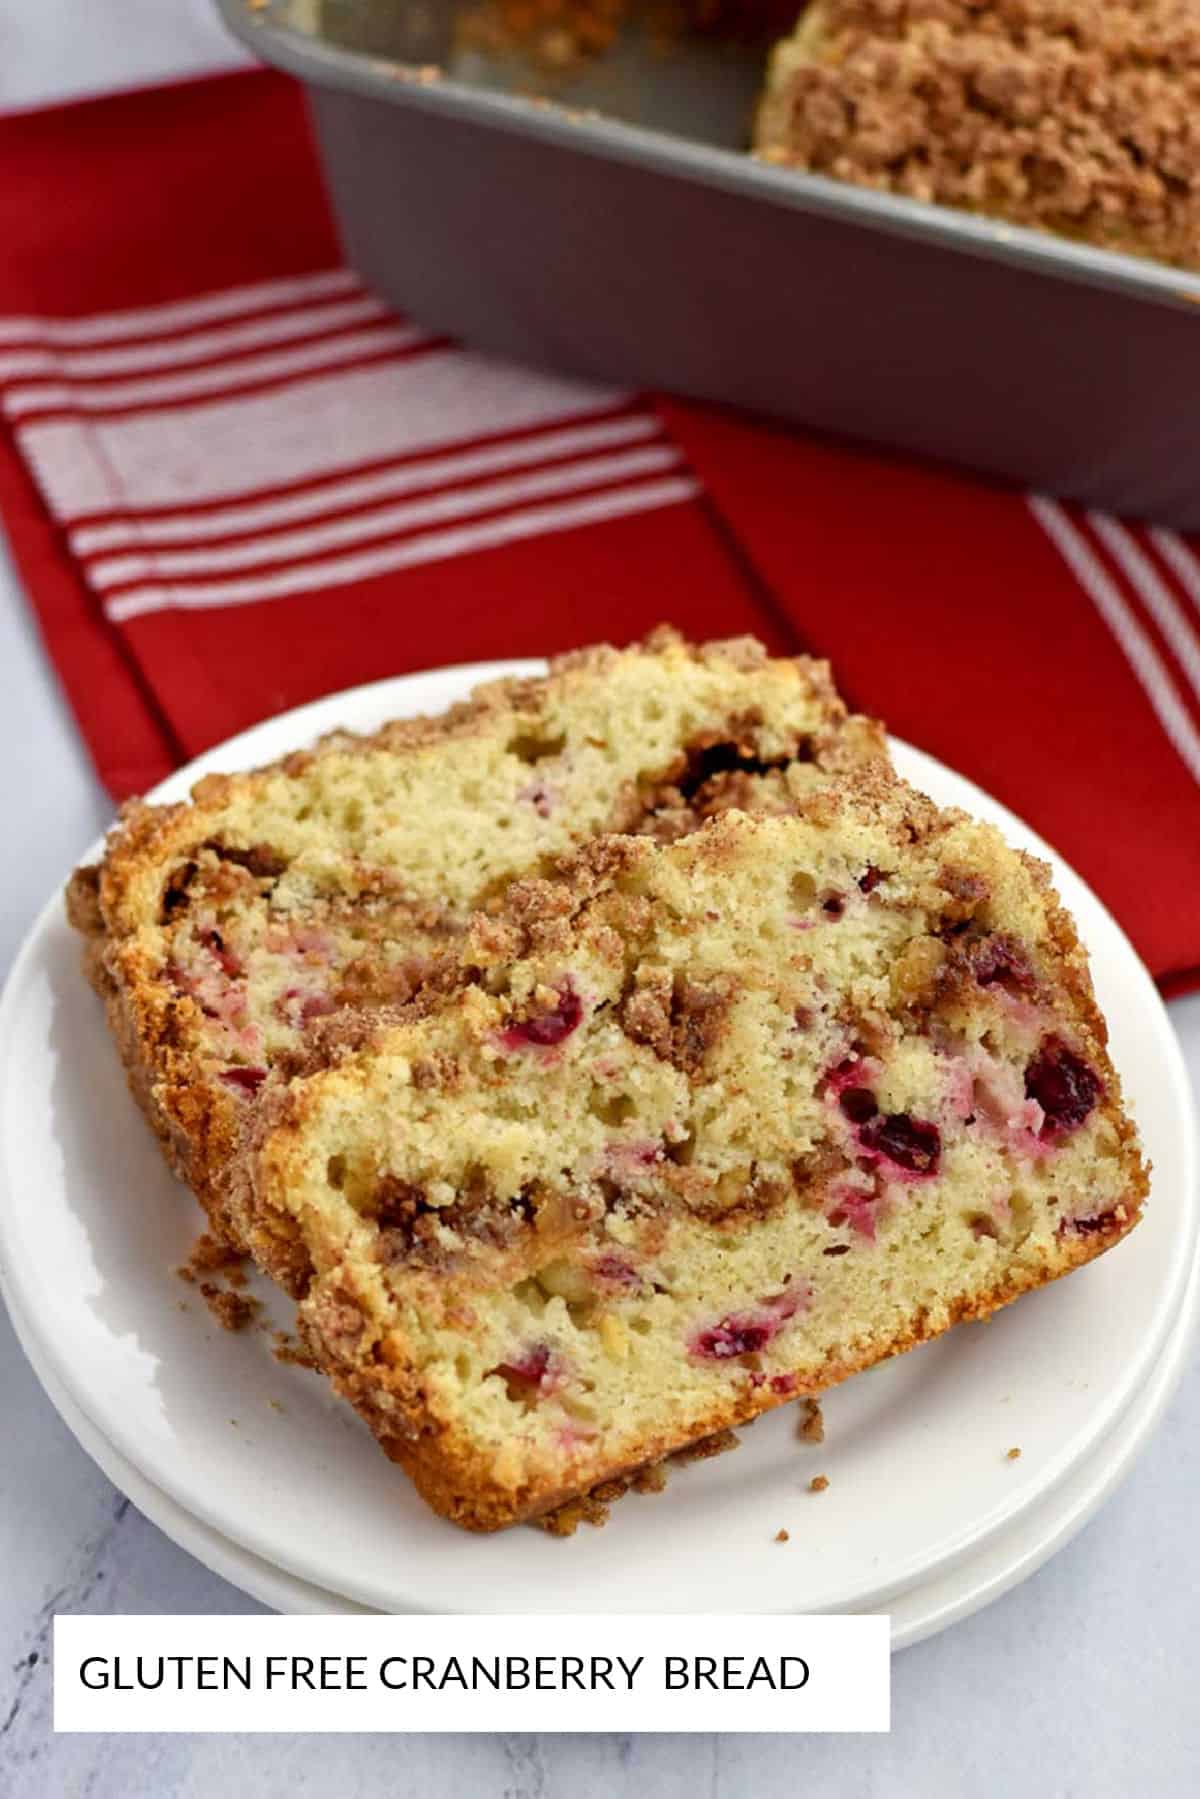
column 261, row 1473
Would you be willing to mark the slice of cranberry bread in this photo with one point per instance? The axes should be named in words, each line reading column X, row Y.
column 221, row 930
column 706, row 1125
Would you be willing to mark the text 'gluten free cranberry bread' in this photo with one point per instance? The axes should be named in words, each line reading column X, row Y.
column 703, row 1126
column 222, row 930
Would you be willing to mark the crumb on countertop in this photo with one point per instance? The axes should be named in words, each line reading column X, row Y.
column 781, row 1536
column 1012, row 1455
column 818, row 1483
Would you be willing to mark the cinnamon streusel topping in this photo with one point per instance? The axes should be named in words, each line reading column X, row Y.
column 1081, row 116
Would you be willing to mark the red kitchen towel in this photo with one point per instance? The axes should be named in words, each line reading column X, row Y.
column 234, row 480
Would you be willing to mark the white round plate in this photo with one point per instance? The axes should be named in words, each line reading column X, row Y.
column 1008, row 1556
column 92, row 1224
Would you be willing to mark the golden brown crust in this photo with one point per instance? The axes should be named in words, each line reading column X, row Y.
column 460, row 1484
column 192, row 1128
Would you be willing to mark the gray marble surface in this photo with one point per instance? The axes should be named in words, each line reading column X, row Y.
column 1080, row 1683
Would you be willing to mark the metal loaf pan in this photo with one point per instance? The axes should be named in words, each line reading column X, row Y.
column 649, row 250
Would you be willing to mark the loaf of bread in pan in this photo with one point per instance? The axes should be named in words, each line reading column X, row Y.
column 224, row 931
column 1079, row 116
column 697, row 1128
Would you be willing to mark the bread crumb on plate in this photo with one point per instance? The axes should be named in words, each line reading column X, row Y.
column 811, row 1427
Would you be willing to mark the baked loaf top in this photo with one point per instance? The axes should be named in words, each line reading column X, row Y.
column 224, row 930
column 1080, row 116
column 703, row 1126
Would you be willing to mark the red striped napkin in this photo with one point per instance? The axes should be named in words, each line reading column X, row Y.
column 235, row 480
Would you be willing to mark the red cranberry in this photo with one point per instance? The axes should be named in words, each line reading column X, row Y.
column 636, row 1155
column 617, row 1270
column 215, row 944
column 529, row 1375
column 833, row 905
column 546, row 1029
column 1063, row 1085
column 732, row 1337
column 911, row 1143
column 845, row 1074
column 540, row 796
column 858, row 1104
column 870, row 881
column 318, row 1005
column 855, row 1208
column 996, row 962
column 249, row 1080
column 742, row 1333
column 296, row 1008
column 1089, row 1227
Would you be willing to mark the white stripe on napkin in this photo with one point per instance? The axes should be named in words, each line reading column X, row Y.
column 341, row 494
column 283, row 438
column 1119, row 615
column 190, row 346
column 1181, row 558
column 1154, row 593
column 432, row 547
column 228, row 449
column 219, row 378
column 384, row 521
column 178, row 315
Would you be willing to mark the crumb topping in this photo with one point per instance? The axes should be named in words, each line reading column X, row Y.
column 1080, row 116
